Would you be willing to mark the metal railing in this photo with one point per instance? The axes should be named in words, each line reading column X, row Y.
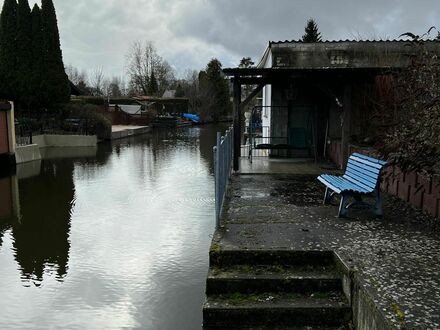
column 223, row 152
column 23, row 134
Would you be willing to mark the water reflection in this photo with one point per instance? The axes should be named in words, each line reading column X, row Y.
column 41, row 238
column 113, row 238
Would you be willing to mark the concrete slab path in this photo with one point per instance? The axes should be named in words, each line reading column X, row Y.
column 398, row 257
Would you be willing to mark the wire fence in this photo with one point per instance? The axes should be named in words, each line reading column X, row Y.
column 223, row 152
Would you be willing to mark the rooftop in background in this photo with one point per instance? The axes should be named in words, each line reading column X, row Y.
column 332, row 56
column 169, row 93
column 341, row 54
column 347, row 40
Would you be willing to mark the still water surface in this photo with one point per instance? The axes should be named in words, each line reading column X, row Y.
column 111, row 237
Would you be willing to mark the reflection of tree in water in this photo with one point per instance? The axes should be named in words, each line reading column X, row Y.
column 41, row 239
column 208, row 139
column 3, row 227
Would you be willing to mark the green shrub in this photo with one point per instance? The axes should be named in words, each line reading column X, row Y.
column 91, row 117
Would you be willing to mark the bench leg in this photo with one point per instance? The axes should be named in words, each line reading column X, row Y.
column 343, row 206
column 378, row 205
column 328, row 196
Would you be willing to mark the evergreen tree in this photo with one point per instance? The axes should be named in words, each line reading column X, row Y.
column 24, row 52
column 37, row 58
column 153, row 87
column 8, row 50
column 180, row 92
column 56, row 88
column 311, row 32
column 222, row 104
column 246, row 62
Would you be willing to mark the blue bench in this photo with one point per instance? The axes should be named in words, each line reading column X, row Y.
column 361, row 178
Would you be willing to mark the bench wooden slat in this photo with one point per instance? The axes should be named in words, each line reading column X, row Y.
column 366, row 162
column 328, row 184
column 363, row 167
column 371, row 159
column 360, row 171
column 356, row 182
column 366, row 180
column 333, row 180
column 343, row 184
column 352, row 186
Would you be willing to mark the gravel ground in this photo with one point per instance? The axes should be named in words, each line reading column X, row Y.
column 398, row 257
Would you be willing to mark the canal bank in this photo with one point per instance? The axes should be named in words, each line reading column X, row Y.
column 282, row 259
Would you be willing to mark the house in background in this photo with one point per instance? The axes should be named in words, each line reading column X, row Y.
column 318, row 98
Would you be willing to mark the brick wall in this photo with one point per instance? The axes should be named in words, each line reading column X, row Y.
column 415, row 188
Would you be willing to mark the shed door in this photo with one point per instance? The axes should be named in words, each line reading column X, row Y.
column 299, row 126
column 4, row 143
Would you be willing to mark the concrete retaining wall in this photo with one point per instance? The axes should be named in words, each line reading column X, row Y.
column 51, row 140
column 129, row 132
column 24, row 154
column 367, row 315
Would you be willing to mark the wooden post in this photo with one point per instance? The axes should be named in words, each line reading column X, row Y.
column 346, row 124
column 237, row 122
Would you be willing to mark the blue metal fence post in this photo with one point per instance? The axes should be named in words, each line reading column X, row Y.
column 223, row 154
column 218, row 198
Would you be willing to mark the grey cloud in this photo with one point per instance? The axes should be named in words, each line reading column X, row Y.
column 188, row 33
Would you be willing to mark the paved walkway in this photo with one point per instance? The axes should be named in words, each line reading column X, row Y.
column 398, row 257
column 119, row 128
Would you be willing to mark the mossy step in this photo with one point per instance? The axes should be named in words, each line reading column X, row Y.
column 272, row 309
column 306, row 327
column 262, row 279
column 225, row 258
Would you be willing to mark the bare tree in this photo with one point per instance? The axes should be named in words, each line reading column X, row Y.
column 76, row 76
column 191, row 89
column 97, row 81
column 143, row 60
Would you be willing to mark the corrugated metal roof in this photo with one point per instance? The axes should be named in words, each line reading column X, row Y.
column 346, row 40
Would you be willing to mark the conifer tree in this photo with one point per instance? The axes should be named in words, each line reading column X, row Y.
column 37, row 58
column 56, row 88
column 311, row 32
column 180, row 92
column 153, row 87
column 24, row 52
column 214, row 75
column 8, row 50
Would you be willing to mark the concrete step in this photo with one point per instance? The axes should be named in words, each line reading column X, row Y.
column 275, row 310
column 257, row 279
column 226, row 258
column 307, row 327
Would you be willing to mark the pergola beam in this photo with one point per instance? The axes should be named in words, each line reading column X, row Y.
column 237, row 122
column 251, row 96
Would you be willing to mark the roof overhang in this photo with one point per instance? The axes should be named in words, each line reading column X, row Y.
column 271, row 75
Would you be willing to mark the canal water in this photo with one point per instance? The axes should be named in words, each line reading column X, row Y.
column 111, row 237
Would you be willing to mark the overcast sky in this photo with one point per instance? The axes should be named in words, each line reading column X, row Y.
column 188, row 33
